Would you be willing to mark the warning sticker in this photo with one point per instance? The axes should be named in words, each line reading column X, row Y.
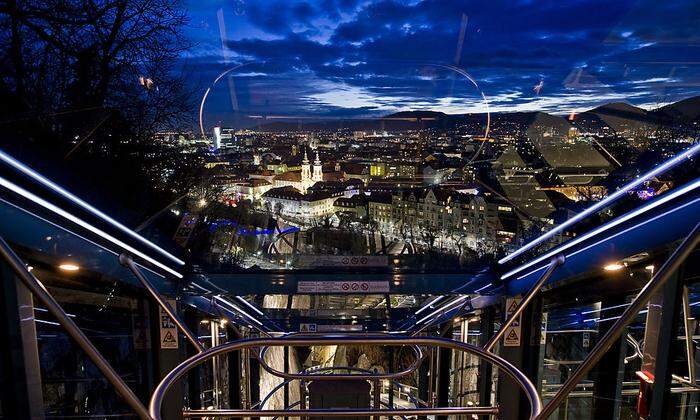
column 307, row 328
column 168, row 329
column 513, row 334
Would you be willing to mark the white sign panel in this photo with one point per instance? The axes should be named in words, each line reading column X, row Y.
column 168, row 329
column 312, row 328
column 342, row 261
column 339, row 328
column 340, row 287
column 513, row 333
column 543, row 333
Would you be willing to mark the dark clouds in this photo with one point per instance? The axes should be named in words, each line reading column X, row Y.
column 372, row 57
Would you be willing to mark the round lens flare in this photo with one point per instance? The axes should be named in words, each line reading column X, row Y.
column 69, row 267
column 613, row 267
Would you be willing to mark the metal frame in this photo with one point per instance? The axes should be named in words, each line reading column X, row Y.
column 279, row 386
column 128, row 262
column 22, row 391
column 507, row 368
column 334, row 412
column 43, row 295
column 615, row 332
column 554, row 263
column 689, row 348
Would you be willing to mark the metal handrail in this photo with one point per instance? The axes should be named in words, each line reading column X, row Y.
column 534, row 290
column 689, row 347
column 128, row 262
column 336, row 376
column 344, row 412
column 506, row 367
column 615, row 332
column 39, row 291
column 279, row 386
column 299, row 402
column 636, row 347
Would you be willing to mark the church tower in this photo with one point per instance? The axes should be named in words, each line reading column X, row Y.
column 306, row 181
column 318, row 170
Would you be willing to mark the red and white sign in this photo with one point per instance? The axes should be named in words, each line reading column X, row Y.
column 339, row 287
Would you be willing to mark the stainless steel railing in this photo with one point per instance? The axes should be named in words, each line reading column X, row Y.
column 43, row 295
column 336, row 376
column 615, row 332
column 128, row 262
column 178, row 372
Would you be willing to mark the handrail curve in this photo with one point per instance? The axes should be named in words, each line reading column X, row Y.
column 506, row 367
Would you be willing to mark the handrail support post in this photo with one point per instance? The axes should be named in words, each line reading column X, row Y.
column 672, row 264
column 555, row 262
column 687, row 326
column 128, row 262
column 39, row 291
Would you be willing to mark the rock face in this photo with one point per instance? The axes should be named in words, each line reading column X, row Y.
column 275, row 358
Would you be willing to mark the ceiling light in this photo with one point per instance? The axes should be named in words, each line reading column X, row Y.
column 613, row 267
column 69, row 267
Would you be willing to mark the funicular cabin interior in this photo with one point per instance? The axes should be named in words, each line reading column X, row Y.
column 100, row 322
column 352, row 209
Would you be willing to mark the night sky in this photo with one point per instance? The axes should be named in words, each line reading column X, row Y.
column 357, row 58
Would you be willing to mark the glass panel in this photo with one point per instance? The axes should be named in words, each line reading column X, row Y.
column 571, row 333
column 408, row 136
column 72, row 385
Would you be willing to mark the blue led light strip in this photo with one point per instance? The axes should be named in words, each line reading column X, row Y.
column 57, row 188
column 70, row 232
column 605, row 202
column 80, row 222
column 237, row 309
column 429, row 304
column 442, row 308
column 659, row 201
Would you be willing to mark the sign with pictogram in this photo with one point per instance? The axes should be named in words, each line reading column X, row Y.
column 350, row 286
column 311, row 261
column 185, row 229
column 513, row 334
column 168, row 329
column 307, row 328
column 543, row 332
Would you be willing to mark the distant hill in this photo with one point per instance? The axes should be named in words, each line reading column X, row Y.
column 417, row 114
column 618, row 116
column 686, row 110
column 619, row 108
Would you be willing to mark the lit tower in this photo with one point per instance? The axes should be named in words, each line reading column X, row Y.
column 318, row 170
column 305, row 173
column 217, row 137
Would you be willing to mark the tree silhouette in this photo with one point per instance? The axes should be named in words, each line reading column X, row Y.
column 84, row 86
